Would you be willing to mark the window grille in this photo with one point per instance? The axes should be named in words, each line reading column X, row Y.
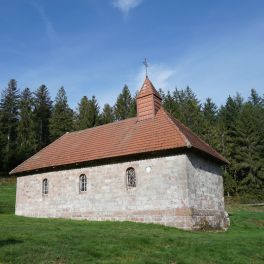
column 131, row 177
column 83, row 183
column 45, row 187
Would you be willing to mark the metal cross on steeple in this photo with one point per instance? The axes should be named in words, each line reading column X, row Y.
column 146, row 66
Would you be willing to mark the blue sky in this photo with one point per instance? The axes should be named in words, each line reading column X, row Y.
column 97, row 46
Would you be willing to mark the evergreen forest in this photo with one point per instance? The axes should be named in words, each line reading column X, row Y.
column 30, row 120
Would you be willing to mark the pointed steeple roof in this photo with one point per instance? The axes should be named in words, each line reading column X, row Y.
column 148, row 89
column 148, row 101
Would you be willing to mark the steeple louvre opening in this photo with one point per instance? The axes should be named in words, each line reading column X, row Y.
column 148, row 101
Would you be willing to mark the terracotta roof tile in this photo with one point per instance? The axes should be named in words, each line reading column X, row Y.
column 148, row 101
column 148, row 89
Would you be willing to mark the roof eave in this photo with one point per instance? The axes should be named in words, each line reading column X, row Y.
column 116, row 159
column 220, row 160
column 149, row 154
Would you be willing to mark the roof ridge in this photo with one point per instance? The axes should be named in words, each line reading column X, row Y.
column 170, row 117
column 197, row 136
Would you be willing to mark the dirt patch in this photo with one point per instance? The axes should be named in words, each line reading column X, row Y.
column 259, row 223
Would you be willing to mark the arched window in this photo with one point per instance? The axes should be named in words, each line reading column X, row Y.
column 83, row 183
column 45, row 187
column 131, row 177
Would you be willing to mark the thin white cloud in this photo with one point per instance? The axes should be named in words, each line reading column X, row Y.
column 161, row 75
column 49, row 28
column 216, row 68
column 125, row 6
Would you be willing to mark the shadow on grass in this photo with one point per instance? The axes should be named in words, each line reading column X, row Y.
column 9, row 241
column 7, row 210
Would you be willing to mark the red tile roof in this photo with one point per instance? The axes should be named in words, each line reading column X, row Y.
column 117, row 139
column 123, row 138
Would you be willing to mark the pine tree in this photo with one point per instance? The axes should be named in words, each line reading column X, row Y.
column 162, row 94
column 170, row 104
column 228, row 116
column 188, row 109
column 88, row 113
column 61, row 120
column 133, row 107
column 255, row 99
column 93, row 112
column 124, row 105
column 2, row 144
column 8, row 125
column 42, row 113
column 27, row 140
column 107, row 115
column 83, row 114
column 229, row 113
column 248, row 144
column 211, row 130
column 210, row 111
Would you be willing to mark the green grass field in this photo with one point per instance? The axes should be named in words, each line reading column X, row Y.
column 31, row 240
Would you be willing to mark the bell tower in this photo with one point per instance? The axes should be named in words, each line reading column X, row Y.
column 148, row 101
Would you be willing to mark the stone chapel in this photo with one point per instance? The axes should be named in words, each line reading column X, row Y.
column 149, row 168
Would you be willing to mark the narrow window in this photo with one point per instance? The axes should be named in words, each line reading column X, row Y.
column 131, row 177
column 45, row 187
column 83, row 183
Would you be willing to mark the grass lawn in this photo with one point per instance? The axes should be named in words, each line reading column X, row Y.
column 31, row 240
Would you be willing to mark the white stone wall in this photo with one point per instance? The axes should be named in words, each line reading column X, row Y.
column 206, row 192
column 166, row 195
column 160, row 195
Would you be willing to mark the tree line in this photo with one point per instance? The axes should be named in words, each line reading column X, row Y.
column 30, row 120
